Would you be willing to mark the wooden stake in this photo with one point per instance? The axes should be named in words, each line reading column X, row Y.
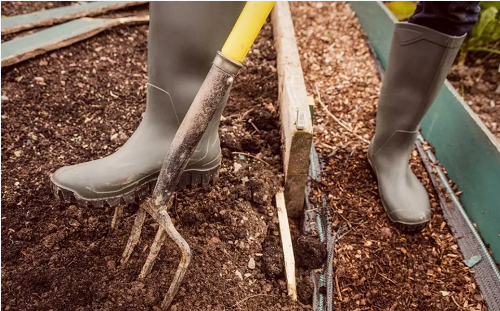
column 286, row 241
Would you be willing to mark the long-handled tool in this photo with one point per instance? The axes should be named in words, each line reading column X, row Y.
column 216, row 86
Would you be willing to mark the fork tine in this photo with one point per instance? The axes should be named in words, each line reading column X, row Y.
column 165, row 222
column 117, row 216
column 135, row 234
column 153, row 253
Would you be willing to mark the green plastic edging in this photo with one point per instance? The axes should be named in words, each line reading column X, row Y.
column 468, row 150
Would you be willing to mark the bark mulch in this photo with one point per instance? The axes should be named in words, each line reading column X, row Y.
column 376, row 267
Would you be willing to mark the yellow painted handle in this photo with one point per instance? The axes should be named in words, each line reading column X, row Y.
column 246, row 29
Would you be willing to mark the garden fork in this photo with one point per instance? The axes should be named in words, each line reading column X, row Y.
column 215, row 87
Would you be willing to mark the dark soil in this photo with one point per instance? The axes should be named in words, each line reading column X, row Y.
column 376, row 267
column 477, row 81
column 309, row 251
column 81, row 103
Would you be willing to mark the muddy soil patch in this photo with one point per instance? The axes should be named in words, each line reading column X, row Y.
column 81, row 103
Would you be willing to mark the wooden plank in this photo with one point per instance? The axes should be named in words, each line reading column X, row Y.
column 463, row 144
column 56, row 37
column 59, row 15
column 286, row 242
column 296, row 124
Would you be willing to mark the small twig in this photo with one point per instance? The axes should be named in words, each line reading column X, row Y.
column 338, row 287
column 385, row 277
column 331, row 114
column 254, row 126
column 340, row 122
column 348, row 222
column 328, row 146
column 252, row 156
column 239, row 115
column 453, row 298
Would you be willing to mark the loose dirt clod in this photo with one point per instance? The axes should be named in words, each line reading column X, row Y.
column 309, row 251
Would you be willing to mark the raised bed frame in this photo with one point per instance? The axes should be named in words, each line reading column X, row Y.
column 463, row 144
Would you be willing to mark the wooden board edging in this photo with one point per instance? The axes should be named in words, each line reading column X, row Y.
column 296, row 123
column 56, row 37
column 50, row 17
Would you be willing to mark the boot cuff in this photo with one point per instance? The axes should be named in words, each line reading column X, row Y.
column 407, row 33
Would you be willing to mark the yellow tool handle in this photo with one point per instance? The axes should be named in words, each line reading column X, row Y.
column 246, row 29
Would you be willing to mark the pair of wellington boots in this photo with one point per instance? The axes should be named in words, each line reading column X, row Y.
column 183, row 40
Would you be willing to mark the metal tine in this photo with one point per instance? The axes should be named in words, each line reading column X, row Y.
column 116, row 216
column 153, row 253
column 135, row 234
column 166, row 225
column 165, row 222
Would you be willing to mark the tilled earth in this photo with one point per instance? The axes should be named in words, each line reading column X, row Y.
column 376, row 266
column 81, row 103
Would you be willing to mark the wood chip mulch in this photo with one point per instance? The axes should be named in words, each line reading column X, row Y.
column 376, row 267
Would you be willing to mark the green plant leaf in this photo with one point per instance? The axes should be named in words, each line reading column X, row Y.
column 488, row 4
column 486, row 17
column 402, row 9
column 485, row 35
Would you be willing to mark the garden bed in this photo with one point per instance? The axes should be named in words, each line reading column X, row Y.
column 82, row 102
column 376, row 267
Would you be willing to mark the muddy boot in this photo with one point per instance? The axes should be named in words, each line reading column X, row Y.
column 184, row 37
column 419, row 61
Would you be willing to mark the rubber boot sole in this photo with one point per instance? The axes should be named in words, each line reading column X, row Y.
column 190, row 178
column 406, row 227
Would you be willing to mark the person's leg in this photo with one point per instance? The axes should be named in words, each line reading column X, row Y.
column 454, row 18
column 184, row 38
column 419, row 60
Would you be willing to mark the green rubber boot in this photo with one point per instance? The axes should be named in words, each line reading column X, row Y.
column 419, row 60
column 184, row 37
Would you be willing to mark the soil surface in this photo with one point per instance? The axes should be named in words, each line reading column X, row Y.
column 83, row 102
column 478, row 81
column 376, row 267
